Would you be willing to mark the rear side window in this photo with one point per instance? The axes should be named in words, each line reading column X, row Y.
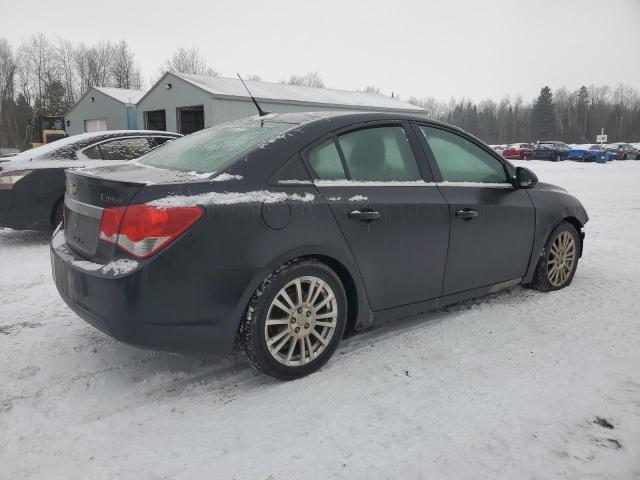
column 92, row 152
column 210, row 149
column 379, row 154
column 124, row 148
column 325, row 161
column 459, row 160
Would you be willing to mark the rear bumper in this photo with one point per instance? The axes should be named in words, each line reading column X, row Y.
column 154, row 306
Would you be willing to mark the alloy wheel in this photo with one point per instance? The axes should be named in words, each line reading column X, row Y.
column 301, row 321
column 562, row 259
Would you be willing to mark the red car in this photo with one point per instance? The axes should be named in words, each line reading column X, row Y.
column 518, row 151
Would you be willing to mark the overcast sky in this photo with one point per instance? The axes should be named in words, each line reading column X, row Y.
column 462, row 48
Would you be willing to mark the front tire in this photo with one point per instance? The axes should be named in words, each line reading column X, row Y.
column 295, row 320
column 556, row 268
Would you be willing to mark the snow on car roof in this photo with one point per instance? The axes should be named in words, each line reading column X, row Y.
column 124, row 95
column 276, row 91
column 584, row 146
column 50, row 147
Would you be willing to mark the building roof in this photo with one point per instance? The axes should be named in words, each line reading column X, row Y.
column 124, row 95
column 232, row 87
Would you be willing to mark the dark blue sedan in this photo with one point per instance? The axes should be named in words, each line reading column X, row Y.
column 551, row 150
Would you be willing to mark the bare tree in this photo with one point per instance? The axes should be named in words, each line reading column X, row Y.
column 253, row 77
column 189, row 60
column 310, row 79
column 64, row 53
column 7, row 91
column 122, row 65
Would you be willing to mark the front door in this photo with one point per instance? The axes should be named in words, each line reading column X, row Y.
column 491, row 223
column 395, row 222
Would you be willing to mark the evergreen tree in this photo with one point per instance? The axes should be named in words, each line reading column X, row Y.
column 544, row 127
column 582, row 107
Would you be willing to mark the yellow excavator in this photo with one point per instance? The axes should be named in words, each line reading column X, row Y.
column 47, row 129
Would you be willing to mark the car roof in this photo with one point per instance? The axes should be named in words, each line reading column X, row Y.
column 345, row 118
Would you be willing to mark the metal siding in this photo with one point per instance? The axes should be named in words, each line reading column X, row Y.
column 103, row 107
column 181, row 94
column 216, row 109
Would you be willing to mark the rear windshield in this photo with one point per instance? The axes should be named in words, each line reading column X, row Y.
column 209, row 150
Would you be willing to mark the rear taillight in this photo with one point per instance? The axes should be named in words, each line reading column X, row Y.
column 9, row 179
column 143, row 230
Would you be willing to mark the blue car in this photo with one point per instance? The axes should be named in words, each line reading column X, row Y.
column 589, row 153
column 551, row 150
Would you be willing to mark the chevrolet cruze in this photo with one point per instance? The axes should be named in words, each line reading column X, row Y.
column 282, row 232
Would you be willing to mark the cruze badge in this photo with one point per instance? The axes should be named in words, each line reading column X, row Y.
column 109, row 198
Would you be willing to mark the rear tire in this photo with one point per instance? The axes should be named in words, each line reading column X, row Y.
column 558, row 158
column 295, row 320
column 557, row 266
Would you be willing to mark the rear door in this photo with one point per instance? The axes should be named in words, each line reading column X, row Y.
column 491, row 223
column 393, row 217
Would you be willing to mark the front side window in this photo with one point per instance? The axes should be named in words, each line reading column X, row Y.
column 325, row 161
column 208, row 150
column 124, row 148
column 459, row 160
column 379, row 154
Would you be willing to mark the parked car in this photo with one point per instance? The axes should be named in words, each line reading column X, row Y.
column 623, row 151
column 293, row 228
column 32, row 183
column 589, row 152
column 518, row 151
column 498, row 148
column 8, row 152
column 551, row 150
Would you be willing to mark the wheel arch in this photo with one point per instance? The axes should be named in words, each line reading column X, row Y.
column 358, row 311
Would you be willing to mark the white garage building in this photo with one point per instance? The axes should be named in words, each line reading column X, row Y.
column 186, row 103
column 104, row 108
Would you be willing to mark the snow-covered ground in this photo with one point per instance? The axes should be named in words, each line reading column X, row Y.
column 508, row 386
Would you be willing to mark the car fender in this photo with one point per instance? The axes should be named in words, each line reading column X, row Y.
column 552, row 206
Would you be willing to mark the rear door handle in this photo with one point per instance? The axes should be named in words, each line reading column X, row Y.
column 466, row 214
column 364, row 215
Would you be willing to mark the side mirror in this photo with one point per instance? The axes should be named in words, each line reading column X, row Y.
column 525, row 178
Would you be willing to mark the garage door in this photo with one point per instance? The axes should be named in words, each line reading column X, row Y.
column 95, row 125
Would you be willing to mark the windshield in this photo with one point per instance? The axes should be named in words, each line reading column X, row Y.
column 208, row 150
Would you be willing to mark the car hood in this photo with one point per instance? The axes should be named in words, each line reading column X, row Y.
column 548, row 187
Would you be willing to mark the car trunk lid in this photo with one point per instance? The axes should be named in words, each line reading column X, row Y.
column 86, row 198
column 90, row 191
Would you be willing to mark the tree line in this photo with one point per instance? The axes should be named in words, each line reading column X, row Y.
column 44, row 76
column 571, row 116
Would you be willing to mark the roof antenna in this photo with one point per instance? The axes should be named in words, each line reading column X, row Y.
column 261, row 112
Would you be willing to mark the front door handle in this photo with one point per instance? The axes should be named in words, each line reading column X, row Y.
column 466, row 214
column 364, row 215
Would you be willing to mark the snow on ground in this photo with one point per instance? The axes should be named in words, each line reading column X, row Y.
column 507, row 386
